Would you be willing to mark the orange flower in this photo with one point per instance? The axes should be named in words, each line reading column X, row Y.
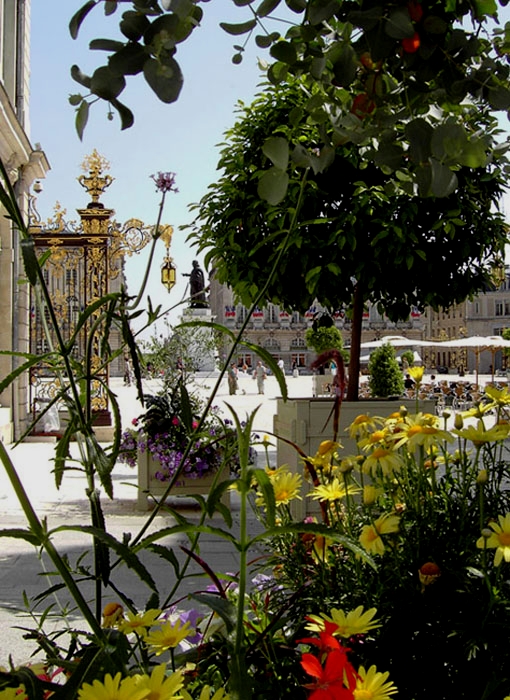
column 411, row 44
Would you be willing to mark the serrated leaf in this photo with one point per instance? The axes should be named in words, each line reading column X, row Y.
column 273, row 185
column 238, row 29
column 20, row 534
column 276, row 148
column 77, row 19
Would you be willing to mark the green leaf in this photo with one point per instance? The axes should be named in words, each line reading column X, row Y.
column 486, row 7
column 125, row 552
column 78, row 17
column 237, row 58
column 30, row 260
column 266, row 7
column 106, row 84
column 75, row 100
column 166, row 80
column 419, row 134
column 238, row 29
column 474, row 154
column 444, row 181
column 80, row 77
column 399, row 24
column 221, row 606
column 82, row 117
column 448, row 142
column 134, row 25
column 129, row 60
column 276, row 149
column 126, row 115
column 105, row 45
column 110, row 6
column 499, row 97
column 284, row 51
column 263, row 41
column 273, row 185
column 267, row 491
column 20, row 534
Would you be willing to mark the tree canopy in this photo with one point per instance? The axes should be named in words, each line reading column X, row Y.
column 381, row 72
column 356, row 238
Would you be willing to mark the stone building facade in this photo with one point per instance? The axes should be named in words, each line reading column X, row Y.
column 283, row 334
column 24, row 164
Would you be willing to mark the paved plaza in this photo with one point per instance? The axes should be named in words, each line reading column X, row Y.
column 20, row 567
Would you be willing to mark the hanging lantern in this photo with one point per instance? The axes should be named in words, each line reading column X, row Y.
column 168, row 273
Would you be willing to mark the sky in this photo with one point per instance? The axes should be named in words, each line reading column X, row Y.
column 179, row 137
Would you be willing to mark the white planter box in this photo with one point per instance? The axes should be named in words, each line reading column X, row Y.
column 307, row 422
column 149, row 485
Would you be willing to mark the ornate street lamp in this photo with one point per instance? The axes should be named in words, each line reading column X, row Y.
column 168, row 273
column 168, row 269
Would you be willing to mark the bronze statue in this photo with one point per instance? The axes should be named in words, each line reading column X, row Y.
column 196, row 284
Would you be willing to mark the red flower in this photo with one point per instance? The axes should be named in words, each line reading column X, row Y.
column 411, row 44
column 326, row 642
column 362, row 105
column 330, row 680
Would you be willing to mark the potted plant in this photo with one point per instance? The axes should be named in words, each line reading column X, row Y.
column 385, row 374
column 158, row 445
column 323, row 336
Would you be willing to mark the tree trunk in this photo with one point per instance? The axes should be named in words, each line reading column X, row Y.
column 354, row 363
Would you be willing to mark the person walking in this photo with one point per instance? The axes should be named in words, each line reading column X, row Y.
column 232, row 379
column 260, row 374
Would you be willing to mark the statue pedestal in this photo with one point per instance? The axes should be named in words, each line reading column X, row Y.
column 205, row 337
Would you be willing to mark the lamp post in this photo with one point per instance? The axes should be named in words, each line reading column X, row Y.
column 168, row 269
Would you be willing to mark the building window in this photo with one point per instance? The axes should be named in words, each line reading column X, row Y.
column 499, row 308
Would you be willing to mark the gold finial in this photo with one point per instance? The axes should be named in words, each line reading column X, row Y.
column 95, row 182
column 166, row 232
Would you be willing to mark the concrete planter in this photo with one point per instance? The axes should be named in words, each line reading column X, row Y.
column 307, row 422
column 149, row 485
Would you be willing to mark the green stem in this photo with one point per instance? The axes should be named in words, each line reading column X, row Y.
column 39, row 530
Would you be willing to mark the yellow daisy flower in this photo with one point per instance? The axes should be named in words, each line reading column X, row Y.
column 498, row 540
column 333, row 491
column 286, row 486
column 370, row 494
column 375, row 438
column 370, row 537
column 500, row 397
column 138, row 622
column 168, row 636
column 388, row 460
column 328, row 447
column 354, row 622
column 113, row 689
column 112, row 613
column 373, row 685
column 362, row 425
column 416, row 373
column 480, row 435
column 161, row 687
